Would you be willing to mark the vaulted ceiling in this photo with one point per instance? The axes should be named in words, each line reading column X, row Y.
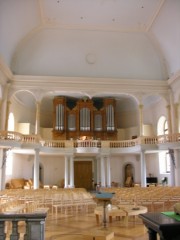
column 120, row 39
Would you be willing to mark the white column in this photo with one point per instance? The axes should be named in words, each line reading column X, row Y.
column 171, row 111
column 7, row 114
column 176, row 107
column 177, row 167
column 141, row 120
column 95, row 171
column 169, row 119
column 102, row 172
column 36, row 169
column 143, row 169
column 1, row 113
column 37, row 125
column 172, row 165
column 5, row 107
column 98, row 169
column 108, row 169
column 3, row 156
column 71, row 172
column 66, row 173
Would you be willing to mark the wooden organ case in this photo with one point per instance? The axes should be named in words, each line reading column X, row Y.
column 84, row 118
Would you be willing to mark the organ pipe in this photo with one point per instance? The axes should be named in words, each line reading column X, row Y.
column 59, row 117
column 84, row 117
column 110, row 118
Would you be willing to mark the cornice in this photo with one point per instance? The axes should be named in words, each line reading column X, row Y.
column 174, row 78
column 5, row 71
column 109, row 85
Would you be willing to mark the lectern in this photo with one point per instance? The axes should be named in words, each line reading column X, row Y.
column 105, row 198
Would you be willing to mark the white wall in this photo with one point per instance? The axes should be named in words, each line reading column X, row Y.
column 22, row 114
column 152, row 114
column 22, row 166
column 53, row 168
column 152, row 167
column 118, row 165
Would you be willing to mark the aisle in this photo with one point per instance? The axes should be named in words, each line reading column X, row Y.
column 72, row 228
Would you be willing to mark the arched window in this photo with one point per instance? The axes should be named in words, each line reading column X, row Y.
column 162, row 126
column 9, row 163
column 11, row 122
column 164, row 157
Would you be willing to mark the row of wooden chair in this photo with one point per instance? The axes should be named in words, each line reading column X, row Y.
column 64, row 200
column 155, row 199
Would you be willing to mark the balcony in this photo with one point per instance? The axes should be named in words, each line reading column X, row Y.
column 10, row 139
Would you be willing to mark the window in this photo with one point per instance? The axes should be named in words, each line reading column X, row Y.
column 162, row 126
column 164, row 156
column 9, row 162
column 164, row 162
column 165, row 127
column 11, row 122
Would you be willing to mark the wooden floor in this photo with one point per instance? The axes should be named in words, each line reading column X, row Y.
column 68, row 227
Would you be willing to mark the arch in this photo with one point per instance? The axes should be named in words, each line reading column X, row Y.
column 128, row 175
column 43, row 43
column 149, row 99
column 18, row 92
column 23, row 106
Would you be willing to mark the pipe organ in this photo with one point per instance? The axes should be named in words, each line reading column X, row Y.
column 84, row 118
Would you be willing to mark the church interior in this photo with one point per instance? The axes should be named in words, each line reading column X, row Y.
column 89, row 102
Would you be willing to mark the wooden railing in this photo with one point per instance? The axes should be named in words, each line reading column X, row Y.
column 9, row 135
column 35, row 225
column 123, row 144
column 150, row 140
column 53, row 143
column 87, row 143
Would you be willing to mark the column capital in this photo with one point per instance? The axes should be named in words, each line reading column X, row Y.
column 141, row 106
column 36, row 150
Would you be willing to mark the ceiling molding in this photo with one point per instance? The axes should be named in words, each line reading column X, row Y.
column 155, row 15
column 5, row 71
column 92, row 85
column 93, row 27
column 174, row 78
column 41, row 12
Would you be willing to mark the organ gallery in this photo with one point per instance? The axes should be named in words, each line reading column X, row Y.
column 84, row 118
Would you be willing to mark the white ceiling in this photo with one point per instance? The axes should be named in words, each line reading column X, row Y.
column 36, row 24
column 102, row 14
column 130, row 39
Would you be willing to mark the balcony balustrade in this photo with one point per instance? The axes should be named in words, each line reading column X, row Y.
column 65, row 144
column 34, row 225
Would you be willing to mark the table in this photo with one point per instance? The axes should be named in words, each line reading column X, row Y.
column 111, row 210
column 132, row 210
column 158, row 223
column 120, row 211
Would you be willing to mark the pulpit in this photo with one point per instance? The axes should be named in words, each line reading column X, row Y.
column 105, row 198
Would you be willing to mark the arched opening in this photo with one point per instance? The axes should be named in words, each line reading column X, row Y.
column 129, row 175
